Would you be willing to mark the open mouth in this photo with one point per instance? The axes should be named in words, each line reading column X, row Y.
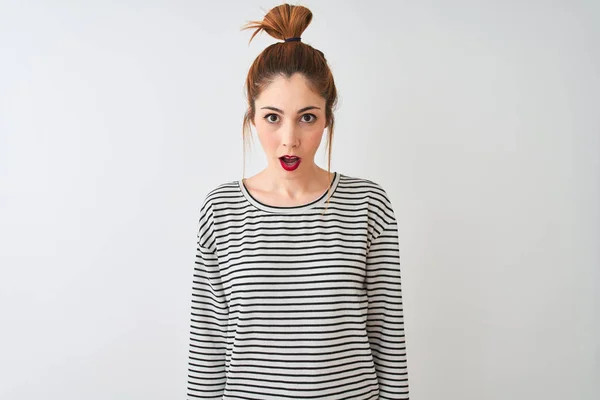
column 289, row 160
column 290, row 163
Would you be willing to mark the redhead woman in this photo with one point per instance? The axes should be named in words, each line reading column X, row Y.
column 296, row 287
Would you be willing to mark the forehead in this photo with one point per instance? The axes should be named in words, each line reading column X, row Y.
column 289, row 92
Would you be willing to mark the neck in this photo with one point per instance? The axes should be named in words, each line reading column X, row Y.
column 296, row 184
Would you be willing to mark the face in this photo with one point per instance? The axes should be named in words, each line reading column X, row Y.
column 290, row 120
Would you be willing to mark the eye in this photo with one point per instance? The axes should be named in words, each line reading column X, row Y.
column 312, row 118
column 271, row 120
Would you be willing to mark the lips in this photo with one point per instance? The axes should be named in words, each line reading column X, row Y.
column 289, row 163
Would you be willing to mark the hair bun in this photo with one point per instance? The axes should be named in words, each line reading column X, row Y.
column 282, row 22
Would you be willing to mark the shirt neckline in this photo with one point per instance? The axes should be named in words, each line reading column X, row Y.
column 320, row 201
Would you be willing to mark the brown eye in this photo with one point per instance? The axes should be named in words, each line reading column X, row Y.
column 271, row 120
column 311, row 118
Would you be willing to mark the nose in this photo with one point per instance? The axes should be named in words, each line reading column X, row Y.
column 289, row 136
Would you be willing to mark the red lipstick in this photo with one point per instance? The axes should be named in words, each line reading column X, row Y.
column 289, row 163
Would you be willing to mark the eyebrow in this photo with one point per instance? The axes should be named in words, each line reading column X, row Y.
column 299, row 111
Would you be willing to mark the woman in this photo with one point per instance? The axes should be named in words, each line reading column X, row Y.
column 296, row 289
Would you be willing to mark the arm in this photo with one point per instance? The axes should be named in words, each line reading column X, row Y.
column 385, row 321
column 207, row 346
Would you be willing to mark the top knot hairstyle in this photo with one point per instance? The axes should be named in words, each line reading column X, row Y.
column 286, row 58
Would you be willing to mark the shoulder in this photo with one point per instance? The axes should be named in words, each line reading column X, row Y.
column 220, row 193
column 373, row 192
column 360, row 183
column 213, row 199
column 364, row 187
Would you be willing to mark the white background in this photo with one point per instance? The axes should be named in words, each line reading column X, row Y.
column 480, row 118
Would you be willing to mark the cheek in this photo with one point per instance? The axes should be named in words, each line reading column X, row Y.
column 314, row 137
column 267, row 136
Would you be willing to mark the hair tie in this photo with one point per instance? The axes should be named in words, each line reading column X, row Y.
column 293, row 39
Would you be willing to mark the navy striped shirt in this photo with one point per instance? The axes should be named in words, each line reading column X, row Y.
column 297, row 303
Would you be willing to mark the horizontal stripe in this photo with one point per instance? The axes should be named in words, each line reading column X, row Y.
column 294, row 303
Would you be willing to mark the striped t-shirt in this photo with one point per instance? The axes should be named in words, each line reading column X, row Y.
column 294, row 303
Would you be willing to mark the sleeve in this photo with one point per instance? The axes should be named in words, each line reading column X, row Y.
column 385, row 318
column 209, row 314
